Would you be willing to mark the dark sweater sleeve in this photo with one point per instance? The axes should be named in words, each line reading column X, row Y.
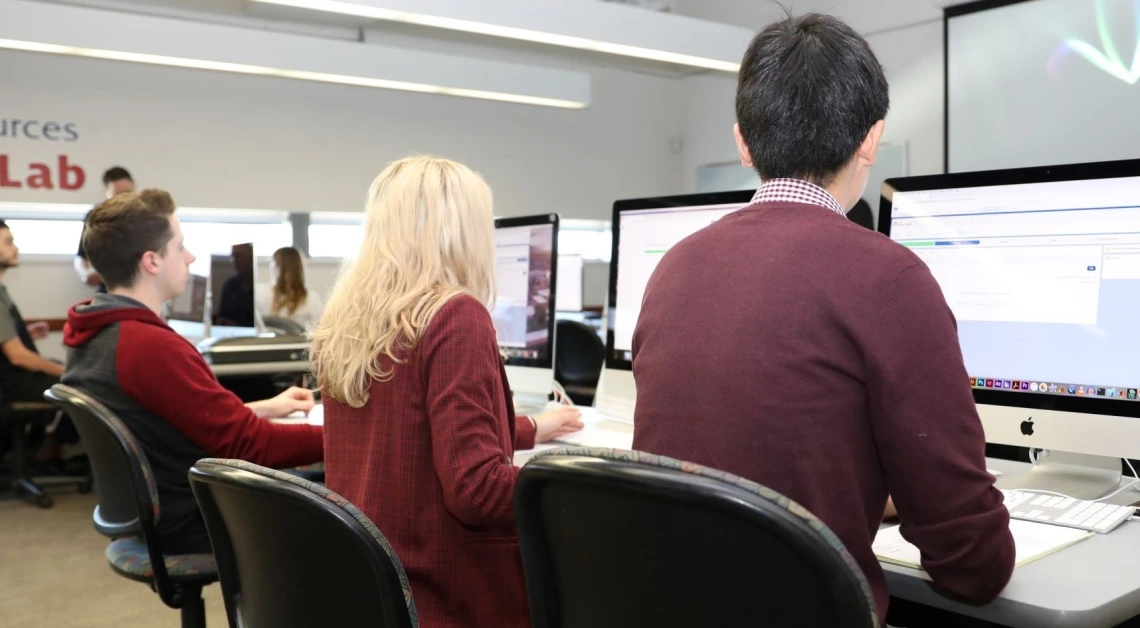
column 464, row 399
column 167, row 376
column 931, row 444
column 525, row 433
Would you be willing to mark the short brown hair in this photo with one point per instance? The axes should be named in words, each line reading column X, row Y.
column 124, row 228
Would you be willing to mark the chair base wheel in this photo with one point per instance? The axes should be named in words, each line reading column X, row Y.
column 31, row 493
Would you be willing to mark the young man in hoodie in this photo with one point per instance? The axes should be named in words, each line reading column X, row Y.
column 155, row 381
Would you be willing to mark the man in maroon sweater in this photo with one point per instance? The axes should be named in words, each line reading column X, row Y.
column 796, row 349
column 155, row 381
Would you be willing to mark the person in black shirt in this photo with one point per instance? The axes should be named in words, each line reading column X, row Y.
column 24, row 373
column 236, row 306
column 115, row 181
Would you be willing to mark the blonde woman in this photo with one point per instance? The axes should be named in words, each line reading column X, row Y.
column 419, row 426
column 287, row 296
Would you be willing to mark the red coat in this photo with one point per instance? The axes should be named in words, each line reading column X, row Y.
column 429, row 459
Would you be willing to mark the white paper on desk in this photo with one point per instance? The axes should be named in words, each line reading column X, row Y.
column 1031, row 541
column 598, row 437
column 316, row 417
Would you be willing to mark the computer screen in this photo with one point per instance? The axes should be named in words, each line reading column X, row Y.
column 570, row 270
column 1043, row 277
column 190, row 306
column 526, row 260
column 232, row 287
column 644, row 231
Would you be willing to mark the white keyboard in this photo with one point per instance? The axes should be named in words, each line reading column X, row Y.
column 1066, row 511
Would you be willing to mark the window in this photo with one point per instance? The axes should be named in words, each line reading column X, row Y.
column 214, row 232
column 335, row 234
column 46, row 237
column 592, row 239
column 45, row 228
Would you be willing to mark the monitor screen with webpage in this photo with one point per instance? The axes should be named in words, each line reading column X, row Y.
column 644, row 231
column 526, row 259
column 1041, row 268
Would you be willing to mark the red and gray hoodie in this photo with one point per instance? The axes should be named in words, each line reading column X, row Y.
column 159, row 386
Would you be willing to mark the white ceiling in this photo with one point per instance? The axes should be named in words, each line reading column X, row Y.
column 866, row 16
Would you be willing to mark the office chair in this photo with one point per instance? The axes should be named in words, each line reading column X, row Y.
column 128, row 509
column 612, row 539
column 18, row 416
column 579, row 355
column 283, row 326
column 322, row 562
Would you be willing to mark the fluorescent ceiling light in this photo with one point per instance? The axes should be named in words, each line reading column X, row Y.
column 54, row 29
column 559, row 24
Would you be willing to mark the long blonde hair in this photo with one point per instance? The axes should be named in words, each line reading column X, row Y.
column 428, row 237
column 289, row 292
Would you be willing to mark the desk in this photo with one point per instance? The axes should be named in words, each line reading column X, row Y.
column 1093, row 584
column 609, row 431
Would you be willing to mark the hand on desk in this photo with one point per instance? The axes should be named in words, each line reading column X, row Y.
column 293, row 400
column 39, row 330
column 557, row 422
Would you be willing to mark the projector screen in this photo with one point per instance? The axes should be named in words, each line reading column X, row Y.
column 1042, row 82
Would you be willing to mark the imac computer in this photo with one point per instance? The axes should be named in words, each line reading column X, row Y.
column 570, row 270
column 186, row 313
column 643, row 231
column 1041, row 267
column 232, row 281
column 526, row 261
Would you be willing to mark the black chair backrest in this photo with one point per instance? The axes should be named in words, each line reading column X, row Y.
column 128, row 495
column 612, row 539
column 579, row 354
column 294, row 554
column 124, row 481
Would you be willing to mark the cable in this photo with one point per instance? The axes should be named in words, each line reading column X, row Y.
column 560, row 395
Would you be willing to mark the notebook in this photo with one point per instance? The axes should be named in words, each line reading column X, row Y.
column 1032, row 541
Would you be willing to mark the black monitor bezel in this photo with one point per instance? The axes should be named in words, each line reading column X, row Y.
column 1018, row 176
column 546, row 362
column 742, row 197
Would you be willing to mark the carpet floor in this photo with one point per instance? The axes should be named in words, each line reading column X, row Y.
column 53, row 574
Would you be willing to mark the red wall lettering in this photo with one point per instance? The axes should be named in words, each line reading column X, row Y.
column 71, row 177
column 66, row 172
column 5, row 180
column 41, row 177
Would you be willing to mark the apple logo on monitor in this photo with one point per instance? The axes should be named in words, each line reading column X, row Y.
column 1027, row 427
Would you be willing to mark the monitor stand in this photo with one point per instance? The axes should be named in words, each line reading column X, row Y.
column 1077, row 475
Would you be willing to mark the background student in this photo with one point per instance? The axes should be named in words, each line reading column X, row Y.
column 287, row 295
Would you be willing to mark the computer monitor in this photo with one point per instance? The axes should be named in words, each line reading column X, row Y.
column 233, row 280
column 186, row 313
column 570, row 269
column 526, row 260
column 643, row 231
column 1041, row 267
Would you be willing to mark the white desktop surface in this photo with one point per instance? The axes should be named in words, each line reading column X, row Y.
column 1093, row 584
column 599, row 432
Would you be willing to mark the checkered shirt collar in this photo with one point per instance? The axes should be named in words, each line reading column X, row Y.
column 796, row 191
